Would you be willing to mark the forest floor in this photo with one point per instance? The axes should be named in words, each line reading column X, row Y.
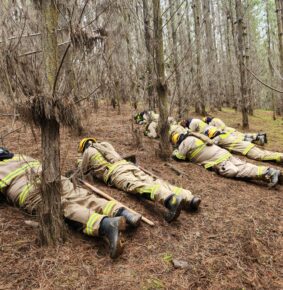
column 233, row 242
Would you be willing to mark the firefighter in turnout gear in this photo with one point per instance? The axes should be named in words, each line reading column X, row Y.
column 20, row 179
column 102, row 161
column 232, row 141
column 210, row 156
column 257, row 138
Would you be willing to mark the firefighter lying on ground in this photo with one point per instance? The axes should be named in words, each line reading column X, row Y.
column 20, row 178
column 150, row 119
column 232, row 141
column 101, row 161
column 210, row 156
column 257, row 138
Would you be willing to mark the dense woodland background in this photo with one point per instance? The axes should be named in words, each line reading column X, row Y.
column 89, row 65
column 106, row 50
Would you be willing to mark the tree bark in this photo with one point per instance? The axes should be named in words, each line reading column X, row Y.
column 269, row 53
column 161, row 85
column 211, row 55
column 172, row 9
column 200, row 102
column 242, row 69
column 279, row 13
column 51, row 219
column 149, row 55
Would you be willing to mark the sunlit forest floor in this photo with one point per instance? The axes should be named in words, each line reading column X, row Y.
column 233, row 242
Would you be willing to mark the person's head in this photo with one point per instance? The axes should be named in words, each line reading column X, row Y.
column 186, row 122
column 207, row 119
column 85, row 143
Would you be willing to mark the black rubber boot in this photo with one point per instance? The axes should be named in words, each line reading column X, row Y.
column 193, row 205
column 174, row 204
column 110, row 229
column 132, row 219
column 272, row 175
column 264, row 136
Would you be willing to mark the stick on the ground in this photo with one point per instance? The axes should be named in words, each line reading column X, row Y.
column 108, row 197
column 149, row 172
column 178, row 171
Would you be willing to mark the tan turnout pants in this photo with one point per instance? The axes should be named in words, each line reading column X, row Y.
column 78, row 205
column 264, row 155
column 236, row 168
column 130, row 178
column 152, row 130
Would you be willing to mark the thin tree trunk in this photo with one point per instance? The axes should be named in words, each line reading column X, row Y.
column 52, row 229
column 242, row 69
column 173, row 13
column 279, row 12
column 200, row 102
column 211, row 55
column 273, row 97
column 149, row 55
column 161, row 86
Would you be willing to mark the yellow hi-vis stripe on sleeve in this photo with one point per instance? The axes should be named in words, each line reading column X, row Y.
column 18, row 172
column 109, row 206
column 15, row 158
column 89, row 225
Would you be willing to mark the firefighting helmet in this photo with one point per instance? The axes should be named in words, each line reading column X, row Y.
column 83, row 143
column 175, row 138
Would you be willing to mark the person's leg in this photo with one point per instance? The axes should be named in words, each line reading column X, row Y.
column 264, row 155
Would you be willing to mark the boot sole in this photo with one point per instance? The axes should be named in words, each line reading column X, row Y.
column 115, row 253
column 170, row 217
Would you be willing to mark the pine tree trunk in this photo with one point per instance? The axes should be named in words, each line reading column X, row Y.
column 200, row 102
column 51, row 219
column 172, row 9
column 211, row 57
column 149, row 55
column 242, row 69
column 269, row 53
column 161, row 86
column 279, row 13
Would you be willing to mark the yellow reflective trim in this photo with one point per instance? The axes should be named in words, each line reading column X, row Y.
column 15, row 158
column 178, row 155
column 91, row 221
column 225, row 135
column 24, row 193
column 100, row 159
column 150, row 189
column 17, row 172
column 112, row 167
column 260, row 170
column 219, row 160
column 177, row 190
column 273, row 157
column 248, row 148
column 109, row 206
column 202, row 126
column 200, row 145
